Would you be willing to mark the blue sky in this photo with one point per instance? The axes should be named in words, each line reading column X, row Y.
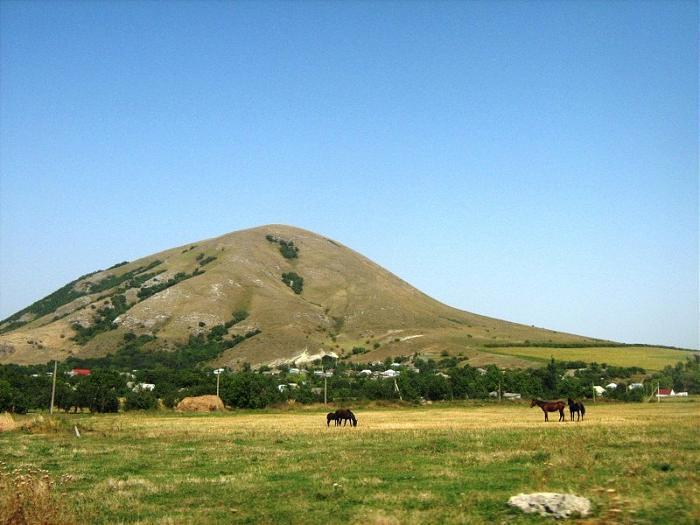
column 532, row 161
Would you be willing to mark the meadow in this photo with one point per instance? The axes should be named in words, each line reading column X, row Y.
column 453, row 463
column 650, row 358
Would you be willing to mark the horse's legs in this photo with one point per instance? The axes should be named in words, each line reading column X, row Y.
column 561, row 415
column 546, row 416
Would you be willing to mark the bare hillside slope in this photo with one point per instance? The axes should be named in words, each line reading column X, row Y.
column 344, row 301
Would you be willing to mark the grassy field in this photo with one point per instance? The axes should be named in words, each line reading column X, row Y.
column 638, row 463
column 649, row 358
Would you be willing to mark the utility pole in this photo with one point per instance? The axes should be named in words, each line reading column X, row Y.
column 325, row 383
column 217, row 373
column 53, row 386
column 658, row 392
column 593, row 388
column 396, row 387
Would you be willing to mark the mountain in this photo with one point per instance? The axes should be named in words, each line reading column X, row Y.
column 283, row 290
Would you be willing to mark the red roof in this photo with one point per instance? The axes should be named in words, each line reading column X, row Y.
column 664, row 391
column 81, row 372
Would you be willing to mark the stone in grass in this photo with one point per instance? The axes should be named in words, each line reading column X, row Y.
column 560, row 506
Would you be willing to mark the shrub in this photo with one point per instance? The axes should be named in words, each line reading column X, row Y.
column 140, row 400
column 287, row 248
column 118, row 265
column 103, row 321
column 148, row 291
column 294, row 281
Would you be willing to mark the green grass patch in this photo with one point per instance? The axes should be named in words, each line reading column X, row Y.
column 649, row 358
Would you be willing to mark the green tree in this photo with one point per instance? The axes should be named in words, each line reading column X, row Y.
column 140, row 400
column 99, row 391
column 6, row 396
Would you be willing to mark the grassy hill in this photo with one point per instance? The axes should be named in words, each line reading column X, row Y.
column 294, row 290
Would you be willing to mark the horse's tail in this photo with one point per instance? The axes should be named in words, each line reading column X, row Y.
column 583, row 408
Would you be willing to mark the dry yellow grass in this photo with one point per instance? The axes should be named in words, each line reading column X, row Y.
column 491, row 416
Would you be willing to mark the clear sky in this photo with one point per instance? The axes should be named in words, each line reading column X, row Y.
column 531, row 161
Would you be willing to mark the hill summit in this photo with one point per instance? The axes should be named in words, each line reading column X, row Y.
column 270, row 294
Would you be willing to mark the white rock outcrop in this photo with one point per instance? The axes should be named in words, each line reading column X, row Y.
column 560, row 506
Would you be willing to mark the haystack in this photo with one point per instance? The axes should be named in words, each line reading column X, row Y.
column 200, row 404
column 6, row 422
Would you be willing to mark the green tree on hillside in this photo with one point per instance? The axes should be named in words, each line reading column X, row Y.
column 294, row 281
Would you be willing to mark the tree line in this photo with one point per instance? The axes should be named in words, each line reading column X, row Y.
column 111, row 388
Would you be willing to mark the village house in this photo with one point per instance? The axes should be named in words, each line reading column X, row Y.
column 669, row 392
column 79, row 372
column 665, row 392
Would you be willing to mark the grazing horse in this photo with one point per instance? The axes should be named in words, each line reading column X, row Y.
column 550, row 406
column 345, row 415
column 576, row 407
column 332, row 417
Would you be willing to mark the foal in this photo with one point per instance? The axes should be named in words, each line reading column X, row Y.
column 332, row 417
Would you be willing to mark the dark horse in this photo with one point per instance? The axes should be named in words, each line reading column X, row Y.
column 332, row 417
column 576, row 407
column 550, row 406
column 345, row 415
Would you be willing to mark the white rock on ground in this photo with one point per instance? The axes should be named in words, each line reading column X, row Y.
column 552, row 504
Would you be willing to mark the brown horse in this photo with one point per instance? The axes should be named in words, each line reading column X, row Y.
column 550, row 406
